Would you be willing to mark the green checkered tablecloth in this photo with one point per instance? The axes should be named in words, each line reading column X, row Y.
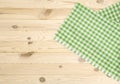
column 94, row 36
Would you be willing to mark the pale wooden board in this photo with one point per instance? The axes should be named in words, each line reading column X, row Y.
column 30, row 25
column 48, row 69
column 55, row 79
column 44, row 9
column 34, row 13
column 53, row 3
column 32, row 57
column 27, row 48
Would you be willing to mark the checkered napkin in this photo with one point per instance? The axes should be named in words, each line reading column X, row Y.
column 94, row 36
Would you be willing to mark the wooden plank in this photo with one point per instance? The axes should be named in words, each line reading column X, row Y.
column 53, row 3
column 31, row 46
column 32, row 57
column 27, row 35
column 42, row 13
column 49, row 68
column 55, row 79
column 30, row 25
column 33, row 13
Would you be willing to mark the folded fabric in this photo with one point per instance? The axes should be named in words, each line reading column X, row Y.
column 112, row 12
column 94, row 36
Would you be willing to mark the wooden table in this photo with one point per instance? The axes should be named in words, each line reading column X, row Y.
column 28, row 53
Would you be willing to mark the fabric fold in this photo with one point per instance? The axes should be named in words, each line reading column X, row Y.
column 94, row 36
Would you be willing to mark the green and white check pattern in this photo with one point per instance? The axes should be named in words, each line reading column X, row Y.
column 112, row 12
column 94, row 36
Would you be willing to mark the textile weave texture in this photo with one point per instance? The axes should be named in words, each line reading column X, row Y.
column 94, row 36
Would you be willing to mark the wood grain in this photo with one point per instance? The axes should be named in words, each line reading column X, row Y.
column 52, row 3
column 28, row 52
column 55, row 79
column 33, row 57
column 30, row 25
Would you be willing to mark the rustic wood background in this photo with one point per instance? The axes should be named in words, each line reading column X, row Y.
column 28, row 53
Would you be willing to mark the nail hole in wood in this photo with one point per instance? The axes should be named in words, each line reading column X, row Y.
column 96, row 69
column 100, row 1
column 60, row 66
column 15, row 26
column 48, row 11
column 30, row 42
column 29, row 38
column 28, row 54
column 42, row 79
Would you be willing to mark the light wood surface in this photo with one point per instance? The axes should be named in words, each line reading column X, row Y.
column 28, row 53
